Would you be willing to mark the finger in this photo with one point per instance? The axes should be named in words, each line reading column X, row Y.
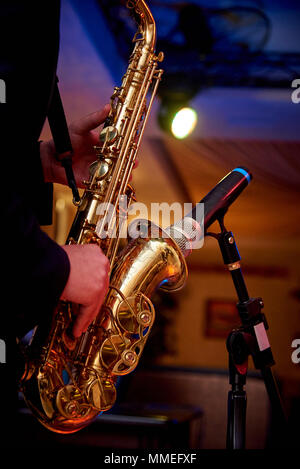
column 91, row 121
column 87, row 313
column 83, row 319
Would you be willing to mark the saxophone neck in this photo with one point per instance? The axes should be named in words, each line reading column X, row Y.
column 145, row 20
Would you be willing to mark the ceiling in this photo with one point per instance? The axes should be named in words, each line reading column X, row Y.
column 219, row 43
column 236, row 91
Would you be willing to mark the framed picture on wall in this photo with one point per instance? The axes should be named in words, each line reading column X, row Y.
column 221, row 317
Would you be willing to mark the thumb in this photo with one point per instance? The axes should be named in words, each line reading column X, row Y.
column 91, row 121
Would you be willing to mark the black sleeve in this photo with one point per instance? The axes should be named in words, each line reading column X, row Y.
column 35, row 268
column 39, row 193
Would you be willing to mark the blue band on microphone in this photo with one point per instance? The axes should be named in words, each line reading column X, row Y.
column 244, row 173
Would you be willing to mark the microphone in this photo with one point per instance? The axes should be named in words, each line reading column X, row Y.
column 188, row 231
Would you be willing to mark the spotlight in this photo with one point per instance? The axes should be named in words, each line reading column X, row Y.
column 184, row 122
column 178, row 119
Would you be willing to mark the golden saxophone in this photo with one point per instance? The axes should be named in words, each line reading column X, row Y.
column 68, row 381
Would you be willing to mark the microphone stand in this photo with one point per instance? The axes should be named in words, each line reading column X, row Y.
column 250, row 338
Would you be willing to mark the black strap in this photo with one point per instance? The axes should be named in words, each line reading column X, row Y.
column 61, row 137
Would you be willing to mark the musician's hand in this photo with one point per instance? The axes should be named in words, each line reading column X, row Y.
column 87, row 284
column 83, row 137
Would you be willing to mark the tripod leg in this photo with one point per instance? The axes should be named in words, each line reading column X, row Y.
column 237, row 406
column 279, row 420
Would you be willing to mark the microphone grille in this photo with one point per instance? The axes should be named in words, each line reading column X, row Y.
column 187, row 233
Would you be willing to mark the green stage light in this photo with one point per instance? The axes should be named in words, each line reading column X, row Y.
column 184, row 122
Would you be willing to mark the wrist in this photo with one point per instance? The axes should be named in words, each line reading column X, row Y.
column 52, row 169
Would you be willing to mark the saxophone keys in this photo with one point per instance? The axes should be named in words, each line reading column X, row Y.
column 144, row 318
column 102, row 393
column 99, row 170
column 69, row 402
column 90, row 237
column 129, row 357
column 108, row 135
column 160, row 57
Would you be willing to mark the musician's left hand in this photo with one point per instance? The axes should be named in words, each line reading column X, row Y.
column 83, row 137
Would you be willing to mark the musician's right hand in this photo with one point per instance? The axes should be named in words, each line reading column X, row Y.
column 87, row 284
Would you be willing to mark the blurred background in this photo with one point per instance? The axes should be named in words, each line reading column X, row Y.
column 234, row 63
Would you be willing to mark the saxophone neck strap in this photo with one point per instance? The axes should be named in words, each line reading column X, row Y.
column 60, row 133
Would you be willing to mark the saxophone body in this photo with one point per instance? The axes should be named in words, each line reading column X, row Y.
column 67, row 382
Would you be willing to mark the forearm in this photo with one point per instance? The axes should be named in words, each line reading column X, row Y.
column 36, row 268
